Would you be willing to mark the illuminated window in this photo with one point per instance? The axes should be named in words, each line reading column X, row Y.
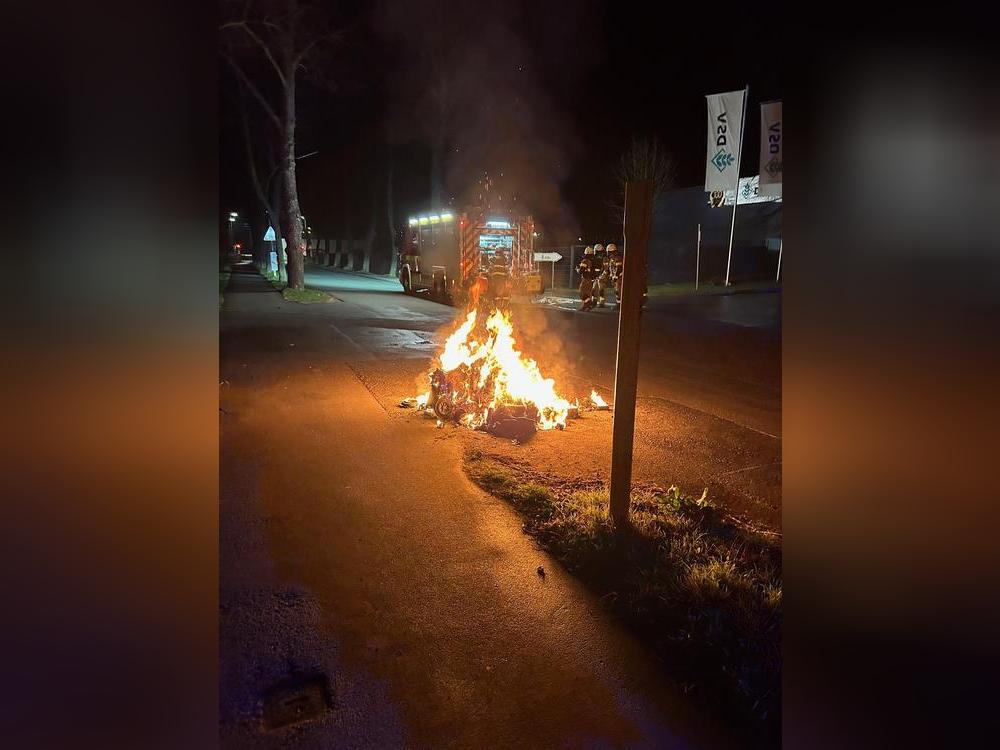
column 493, row 241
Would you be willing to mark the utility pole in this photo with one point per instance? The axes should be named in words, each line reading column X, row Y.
column 638, row 217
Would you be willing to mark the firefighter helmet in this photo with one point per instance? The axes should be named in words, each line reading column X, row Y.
column 612, row 248
column 588, row 250
column 598, row 249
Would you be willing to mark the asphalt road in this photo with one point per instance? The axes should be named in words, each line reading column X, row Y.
column 720, row 354
column 353, row 546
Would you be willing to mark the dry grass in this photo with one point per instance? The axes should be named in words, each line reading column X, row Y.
column 704, row 593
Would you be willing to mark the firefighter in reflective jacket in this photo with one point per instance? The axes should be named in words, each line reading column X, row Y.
column 614, row 270
column 601, row 280
column 588, row 273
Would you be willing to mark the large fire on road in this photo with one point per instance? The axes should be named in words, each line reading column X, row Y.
column 480, row 377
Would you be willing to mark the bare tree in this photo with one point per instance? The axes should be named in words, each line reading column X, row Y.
column 283, row 35
column 645, row 159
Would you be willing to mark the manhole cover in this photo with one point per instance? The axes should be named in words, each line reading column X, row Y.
column 296, row 700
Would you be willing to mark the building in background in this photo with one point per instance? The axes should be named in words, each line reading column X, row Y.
column 674, row 238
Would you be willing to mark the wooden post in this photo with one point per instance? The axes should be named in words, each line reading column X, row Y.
column 638, row 216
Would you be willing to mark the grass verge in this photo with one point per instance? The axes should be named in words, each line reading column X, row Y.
column 274, row 278
column 704, row 593
column 305, row 296
column 686, row 288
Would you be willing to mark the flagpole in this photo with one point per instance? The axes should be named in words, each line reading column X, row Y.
column 697, row 260
column 736, row 192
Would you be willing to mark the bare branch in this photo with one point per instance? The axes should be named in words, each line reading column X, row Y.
column 253, row 90
column 333, row 36
column 251, row 160
column 260, row 43
column 646, row 159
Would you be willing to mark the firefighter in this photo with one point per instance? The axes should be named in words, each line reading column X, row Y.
column 614, row 266
column 601, row 278
column 587, row 271
column 499, row 276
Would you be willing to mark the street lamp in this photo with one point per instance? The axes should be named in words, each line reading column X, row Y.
column 232, row 220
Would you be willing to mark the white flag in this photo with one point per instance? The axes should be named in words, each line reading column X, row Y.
column 770, row 148
column 725, row 126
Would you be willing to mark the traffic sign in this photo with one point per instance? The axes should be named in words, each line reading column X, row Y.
column 269, row 235
column 548, row 257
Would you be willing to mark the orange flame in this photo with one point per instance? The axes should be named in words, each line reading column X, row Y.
column 496, row 374
column 596, row 400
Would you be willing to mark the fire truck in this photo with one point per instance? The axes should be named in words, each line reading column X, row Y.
column 446, row 252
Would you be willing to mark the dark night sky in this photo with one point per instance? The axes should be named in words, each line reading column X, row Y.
column 587, row 75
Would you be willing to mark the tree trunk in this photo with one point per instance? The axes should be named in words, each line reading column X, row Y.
column 296, row 270
column 393, row 255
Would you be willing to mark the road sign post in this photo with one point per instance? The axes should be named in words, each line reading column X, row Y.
column 552, row 258
column 638, row 216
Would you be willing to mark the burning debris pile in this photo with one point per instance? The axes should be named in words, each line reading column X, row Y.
column 481, row 381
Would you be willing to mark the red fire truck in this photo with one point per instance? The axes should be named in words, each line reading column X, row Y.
column 445, row 252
